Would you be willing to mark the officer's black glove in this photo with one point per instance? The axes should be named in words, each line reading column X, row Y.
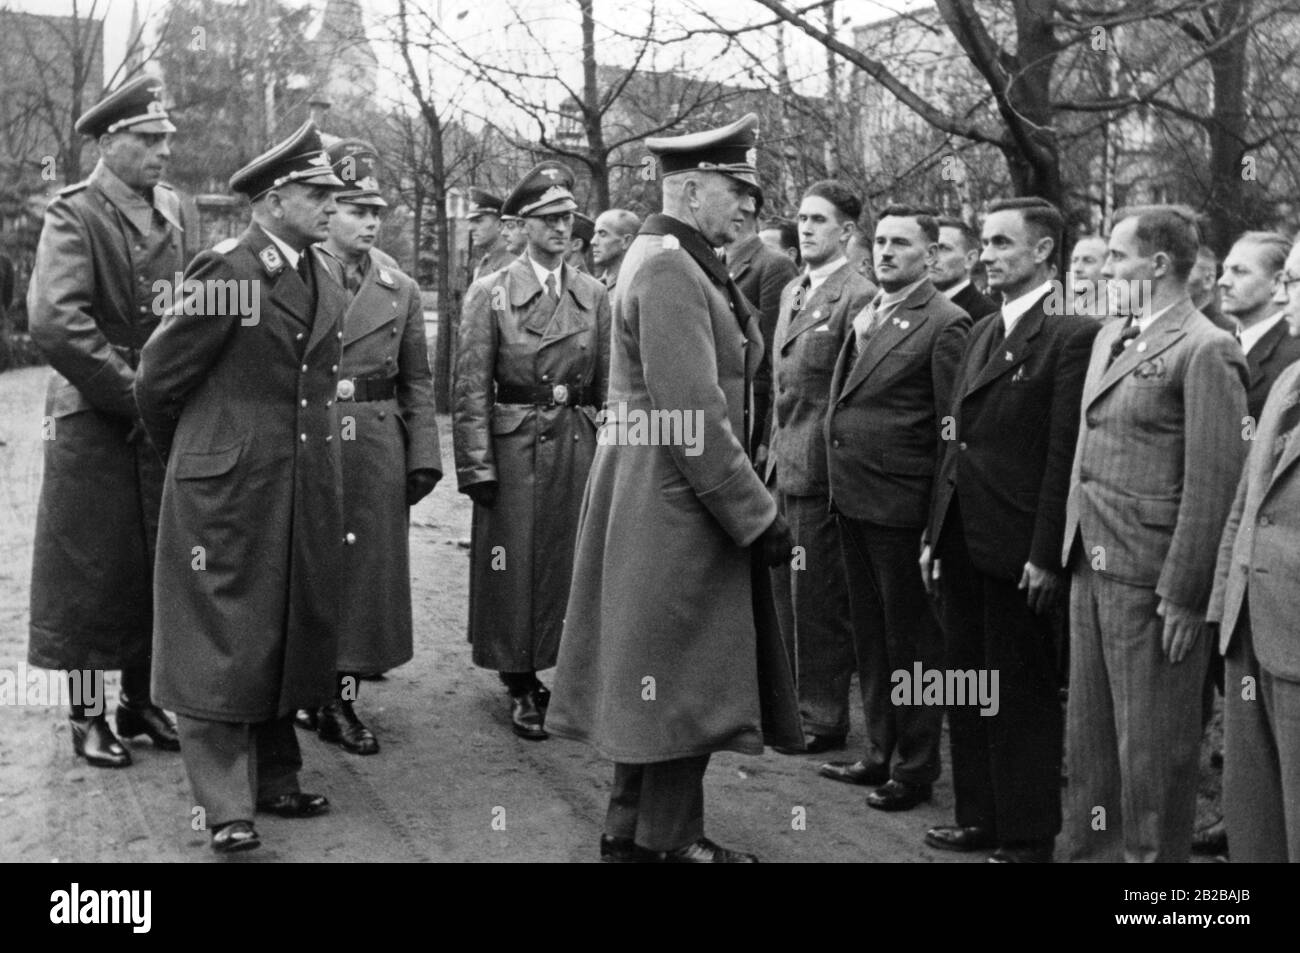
column 777, row 543
column 484, row 494
column 419, row 484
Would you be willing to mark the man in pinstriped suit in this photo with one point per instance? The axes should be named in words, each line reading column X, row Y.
column 1160, row 449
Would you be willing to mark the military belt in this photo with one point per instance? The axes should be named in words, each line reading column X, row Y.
column 367, row 388
column 544, row 395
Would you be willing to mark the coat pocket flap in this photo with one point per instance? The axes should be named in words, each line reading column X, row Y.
column 506, row 418
column 1157, row 512
column 197, row 466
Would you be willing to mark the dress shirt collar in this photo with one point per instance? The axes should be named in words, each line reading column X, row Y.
column 1014, row 310
column 957, row 289
column 541, row 273
column 816, row 276
column 1250, row 336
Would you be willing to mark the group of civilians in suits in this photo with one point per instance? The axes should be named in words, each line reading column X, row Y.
column 710, row 485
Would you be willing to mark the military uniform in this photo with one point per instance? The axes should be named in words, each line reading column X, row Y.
column 667, row 598
column 496, row 256
column 92, row 303
column 251, row 539
column 531, row 371
column 389, row 434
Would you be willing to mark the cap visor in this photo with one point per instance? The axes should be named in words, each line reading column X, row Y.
column 364, row 199
column 553, row 208
column 152, row 126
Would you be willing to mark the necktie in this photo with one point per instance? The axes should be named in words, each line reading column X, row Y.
column 865, row 323
column 1131, row 330
column 551, row 293
column 996, row 338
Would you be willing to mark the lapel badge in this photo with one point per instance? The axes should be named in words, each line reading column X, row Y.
column 1142, row 346
column 817, row 314
column 386, row 278
column 1008, row 355
column 271, row 260
column 903, row 324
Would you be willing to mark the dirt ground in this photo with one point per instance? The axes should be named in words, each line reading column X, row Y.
column 448, row 767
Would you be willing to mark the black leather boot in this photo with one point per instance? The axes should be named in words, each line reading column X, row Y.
column 93, row 740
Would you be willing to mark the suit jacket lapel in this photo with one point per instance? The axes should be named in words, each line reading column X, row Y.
column 744, row 257
column 905, row 321
column 819, row 306
column 1263, row 350
column 1011, row 353
column 1163, row 334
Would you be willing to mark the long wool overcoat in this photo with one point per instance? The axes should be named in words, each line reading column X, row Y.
column 383, row 441
column 91, row 306
column 521, row 550
column 250, row 541
column 670, row 646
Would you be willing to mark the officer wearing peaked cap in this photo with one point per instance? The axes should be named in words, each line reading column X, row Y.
column 531, row 368
column 240, row 400
column 389, row 436
column 676, row 533
column 105, row 243
column 487, row 230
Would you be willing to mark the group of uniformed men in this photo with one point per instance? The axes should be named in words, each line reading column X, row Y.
column 814, row 434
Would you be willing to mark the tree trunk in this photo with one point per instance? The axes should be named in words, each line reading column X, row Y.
column 598, row 162
column 1227, row 129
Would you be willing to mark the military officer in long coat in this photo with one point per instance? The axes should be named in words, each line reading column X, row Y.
column 389, row 439
column 239, row 395
column 531, row 371
column 668, row 652
column 106, row 242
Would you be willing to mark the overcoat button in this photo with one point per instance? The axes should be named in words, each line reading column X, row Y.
column 304, row 403
column 303, row 438
column 350, row 539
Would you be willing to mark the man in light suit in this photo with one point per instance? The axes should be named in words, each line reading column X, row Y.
column 1254, row 604
column 1160, row 449
column 812, row 598
column 995, row 530
column 889, row 394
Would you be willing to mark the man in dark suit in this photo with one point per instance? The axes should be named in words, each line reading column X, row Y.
column 955, row 258
column 1084, row 281
column 1248, row 294
column 889, row 394
column 1159, row 453
column 994, row 539
column 760, row 274
column 811, row 596
column 1254, row 605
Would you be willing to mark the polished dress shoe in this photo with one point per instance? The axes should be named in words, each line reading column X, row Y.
column 895, row 795
column 526, row 717
column 297, row 804
column 1211, row 841
column 624, row 850
column 704, row 851
column 1036, row 852
column 146, row 719
column 93, row 740
column 306, row 719
column 338, row 723
column 854, row 772
column 960, row 838
column 235, row 836
column 813, row 744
